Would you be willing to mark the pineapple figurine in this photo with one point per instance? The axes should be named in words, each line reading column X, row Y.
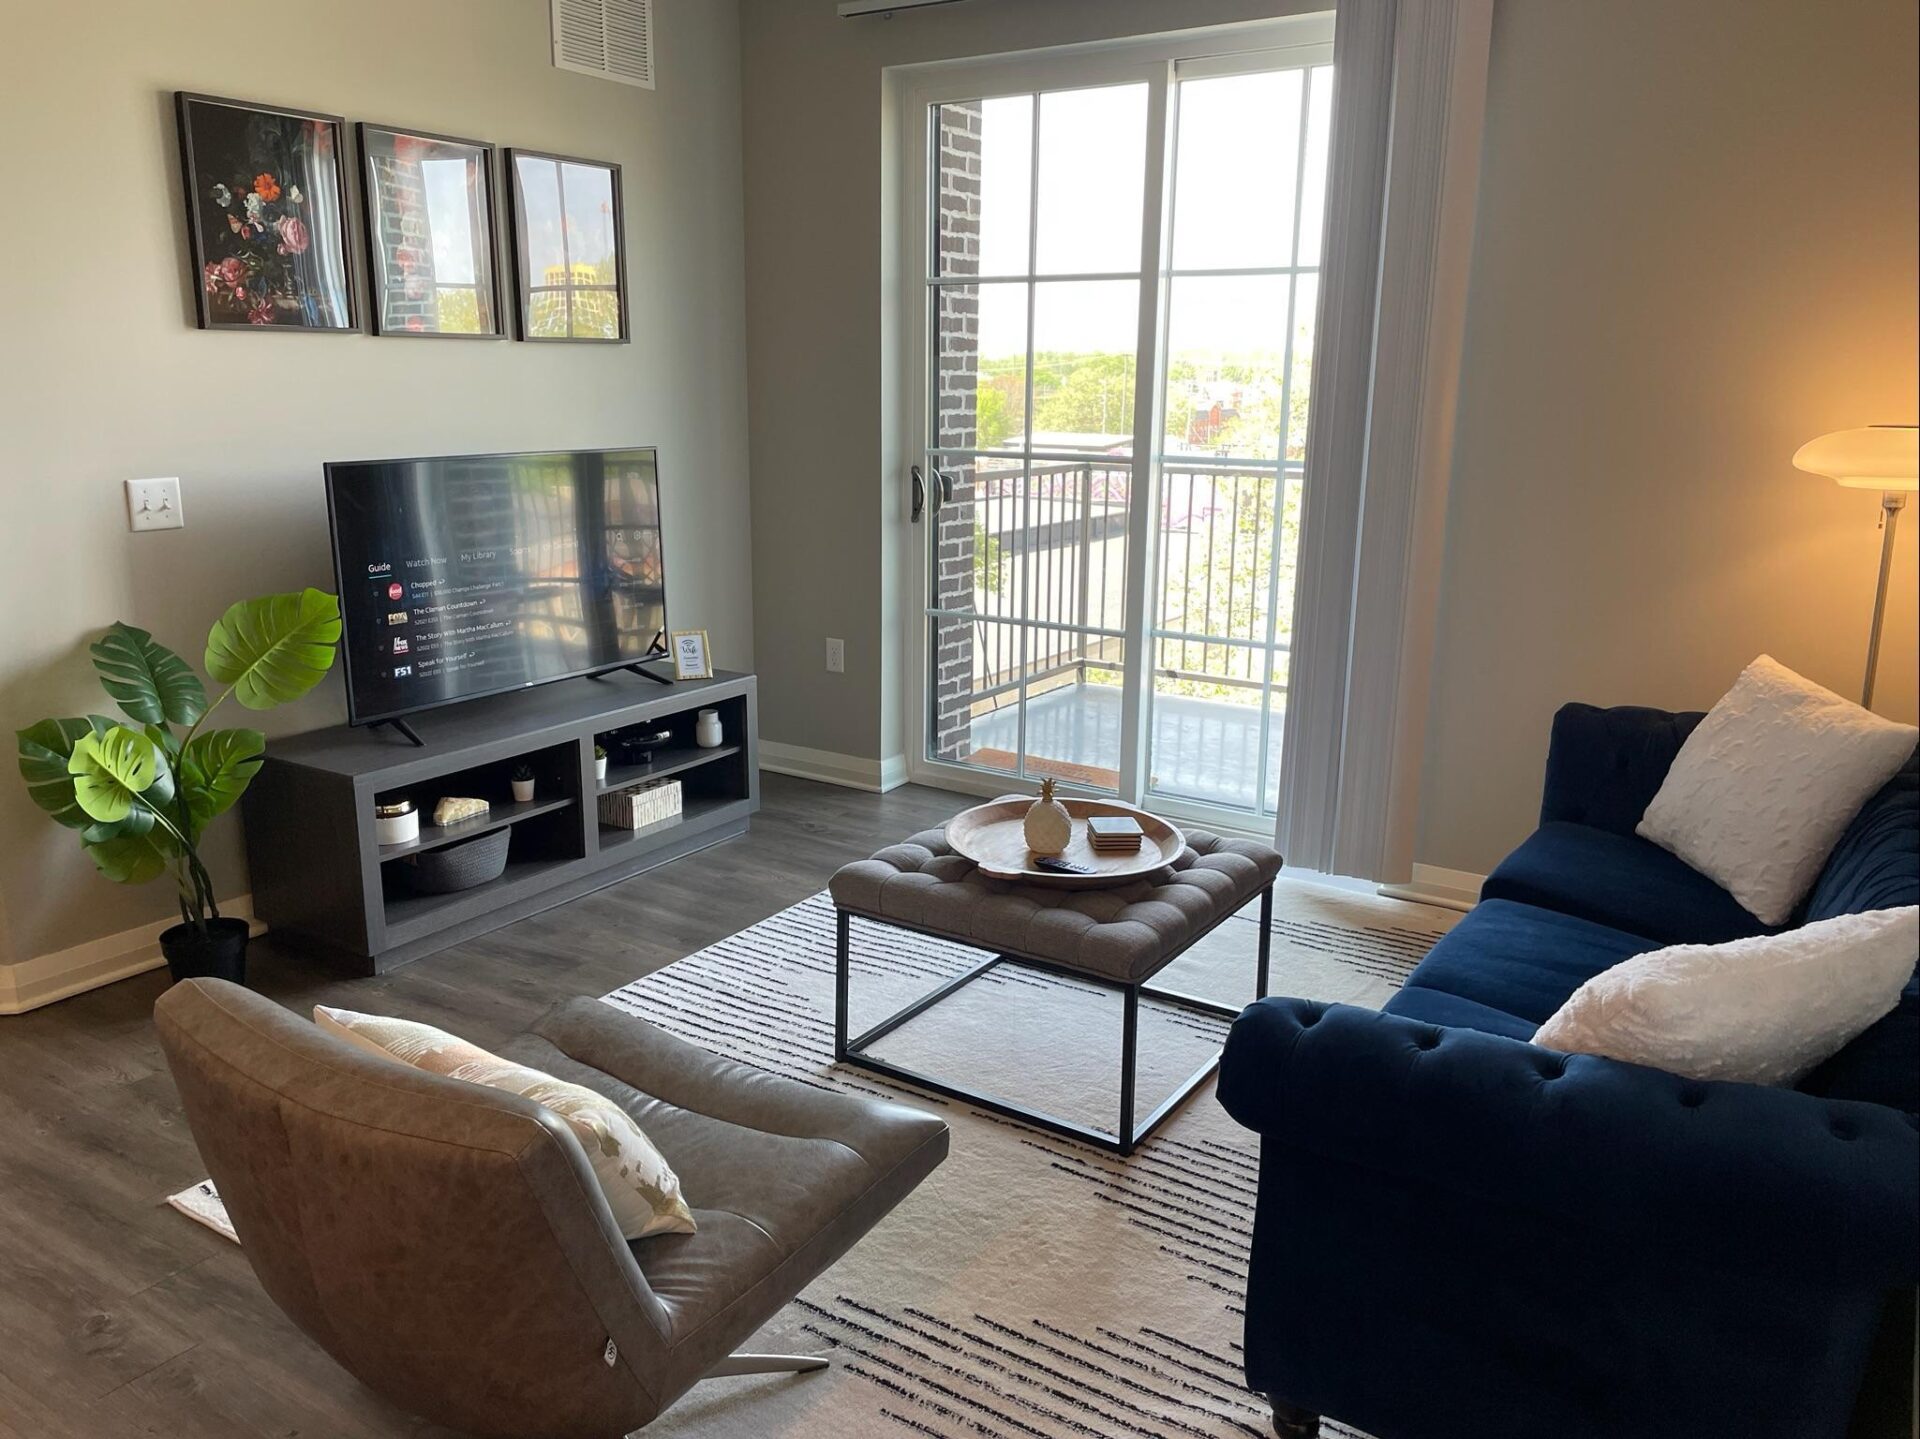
column 1048, row 826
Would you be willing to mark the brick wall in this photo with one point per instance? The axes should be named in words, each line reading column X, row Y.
column 957, row 341
column 405, row 245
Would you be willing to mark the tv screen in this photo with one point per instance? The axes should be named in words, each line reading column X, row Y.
column 475, row 574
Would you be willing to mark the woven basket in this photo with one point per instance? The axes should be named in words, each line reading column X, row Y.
column 460, row 866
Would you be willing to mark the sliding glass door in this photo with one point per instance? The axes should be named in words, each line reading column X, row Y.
column 1111, row 333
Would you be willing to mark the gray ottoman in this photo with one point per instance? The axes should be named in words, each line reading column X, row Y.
column 1118, row 937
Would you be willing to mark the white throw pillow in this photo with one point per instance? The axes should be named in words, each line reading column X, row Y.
column 1765, row 786
column 1764, row 1010
column 642, row 1190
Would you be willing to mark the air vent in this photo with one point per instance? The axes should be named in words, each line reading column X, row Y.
column 609, row 38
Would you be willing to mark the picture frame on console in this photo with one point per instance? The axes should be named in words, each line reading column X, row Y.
column 569, row 248
column 266, row 193
column 432, row 243
column 692, row 657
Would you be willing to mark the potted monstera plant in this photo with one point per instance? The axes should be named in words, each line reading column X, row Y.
column 141, row 791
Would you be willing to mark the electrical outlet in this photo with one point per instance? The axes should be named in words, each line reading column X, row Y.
column 836, row 657
column 155, row 505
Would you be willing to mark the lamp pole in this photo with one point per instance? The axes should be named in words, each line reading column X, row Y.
column 1891, row 503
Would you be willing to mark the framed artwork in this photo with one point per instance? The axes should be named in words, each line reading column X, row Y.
column 569, row 247
column 266, row 215
column 690, row 658
column 430, row 235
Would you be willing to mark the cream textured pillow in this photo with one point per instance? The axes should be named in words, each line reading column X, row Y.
column 1763, row 1011
column 1763, row 789
column 641, row 1189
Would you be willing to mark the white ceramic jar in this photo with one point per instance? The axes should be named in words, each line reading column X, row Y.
column 396, row 823
column 706, row 730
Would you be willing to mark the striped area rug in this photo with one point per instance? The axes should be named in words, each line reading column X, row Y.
column 1033, row 1287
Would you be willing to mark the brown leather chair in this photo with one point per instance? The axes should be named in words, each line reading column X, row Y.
column 449, row 1246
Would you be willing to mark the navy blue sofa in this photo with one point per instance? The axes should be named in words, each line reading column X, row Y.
column 1462, row 1235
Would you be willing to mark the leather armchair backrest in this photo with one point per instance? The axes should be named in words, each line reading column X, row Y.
column 446, row 1243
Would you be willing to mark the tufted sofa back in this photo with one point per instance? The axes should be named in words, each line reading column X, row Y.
column 1876, row 865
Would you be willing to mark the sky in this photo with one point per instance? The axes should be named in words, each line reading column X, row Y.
column 448, row 219
column 1237, row 175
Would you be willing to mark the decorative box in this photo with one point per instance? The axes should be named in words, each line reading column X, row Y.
column 640, row 805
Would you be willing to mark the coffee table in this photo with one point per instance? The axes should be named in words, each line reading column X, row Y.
column 1118, row 938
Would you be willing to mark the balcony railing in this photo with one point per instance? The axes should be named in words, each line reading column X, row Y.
column 1047, row 600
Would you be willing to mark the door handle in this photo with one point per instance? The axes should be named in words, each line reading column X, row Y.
column 919, row 494
column 946, row 487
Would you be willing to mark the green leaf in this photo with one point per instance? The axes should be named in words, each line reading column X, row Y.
column 164, row 740
column 111, row 771
column 147, row 680
column 45, row 749
column 132, row 858
column 276, row 648
column 215, row 770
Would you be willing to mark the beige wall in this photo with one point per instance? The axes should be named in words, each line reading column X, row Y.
column 1696, row 249
column 103, row 377
column 826, row 485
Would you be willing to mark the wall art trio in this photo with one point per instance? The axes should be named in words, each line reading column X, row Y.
column 269, row 216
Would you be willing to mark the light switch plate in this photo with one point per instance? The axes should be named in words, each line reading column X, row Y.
column 836, row 657
column 155, row 504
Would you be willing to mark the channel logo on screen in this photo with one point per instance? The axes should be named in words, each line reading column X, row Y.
column 397, row 617
column 396, row 591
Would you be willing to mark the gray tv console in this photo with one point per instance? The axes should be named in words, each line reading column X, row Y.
column 322, row 882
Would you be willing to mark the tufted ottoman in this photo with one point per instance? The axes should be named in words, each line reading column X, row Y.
column 1118, row 937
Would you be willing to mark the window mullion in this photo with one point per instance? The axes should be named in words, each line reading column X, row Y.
column 1148, row 430
column 1023, row 633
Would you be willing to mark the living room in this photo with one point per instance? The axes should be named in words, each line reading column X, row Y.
column 653, row 735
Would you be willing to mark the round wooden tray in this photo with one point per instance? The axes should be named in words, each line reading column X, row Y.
column 991, row 835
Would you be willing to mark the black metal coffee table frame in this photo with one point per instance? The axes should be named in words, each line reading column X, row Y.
column 1126, row 1136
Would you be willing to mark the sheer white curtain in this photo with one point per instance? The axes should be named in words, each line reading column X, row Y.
column 1408, row 109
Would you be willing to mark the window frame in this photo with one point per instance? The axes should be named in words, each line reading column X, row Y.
column 1160, row 63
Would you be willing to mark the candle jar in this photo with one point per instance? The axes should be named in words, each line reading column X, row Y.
column 396, row 823
column 706, row 730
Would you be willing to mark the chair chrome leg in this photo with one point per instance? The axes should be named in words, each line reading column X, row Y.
column 765, row 1364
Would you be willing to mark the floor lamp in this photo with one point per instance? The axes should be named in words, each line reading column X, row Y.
column 1884, row 458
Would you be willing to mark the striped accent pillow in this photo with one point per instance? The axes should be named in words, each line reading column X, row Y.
column 641, row 1189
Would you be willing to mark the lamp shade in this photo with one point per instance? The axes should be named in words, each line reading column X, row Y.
column 1879, row 457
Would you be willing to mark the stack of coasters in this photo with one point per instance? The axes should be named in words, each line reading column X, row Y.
column 1114, row 834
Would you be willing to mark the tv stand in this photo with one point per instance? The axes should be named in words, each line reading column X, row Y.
column 323, row 882
column 401, row 727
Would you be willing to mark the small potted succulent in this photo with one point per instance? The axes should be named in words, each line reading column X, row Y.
column 141, row 792
column 600, row 763
column 522, row 783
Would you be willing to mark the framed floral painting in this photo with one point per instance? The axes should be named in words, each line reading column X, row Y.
column 569, row 244
column 430, row 234
column 266, row 216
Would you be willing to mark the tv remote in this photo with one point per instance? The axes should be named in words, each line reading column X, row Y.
column 1054, row 864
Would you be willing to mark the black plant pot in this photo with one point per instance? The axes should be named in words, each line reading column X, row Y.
column 220, row 953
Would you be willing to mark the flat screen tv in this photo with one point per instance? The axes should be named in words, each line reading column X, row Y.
column 472, row 575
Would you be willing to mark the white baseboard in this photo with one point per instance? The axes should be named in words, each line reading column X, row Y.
column 849, row 771
column 67, row 972
column 1448, row 888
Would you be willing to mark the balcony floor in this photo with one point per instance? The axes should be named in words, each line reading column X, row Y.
column 1206, row 751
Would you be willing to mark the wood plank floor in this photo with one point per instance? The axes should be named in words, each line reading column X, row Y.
column 120, row 1317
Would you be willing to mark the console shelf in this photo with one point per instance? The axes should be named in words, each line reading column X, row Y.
column 321, row 881
column 667, row 762
column 433, row 836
